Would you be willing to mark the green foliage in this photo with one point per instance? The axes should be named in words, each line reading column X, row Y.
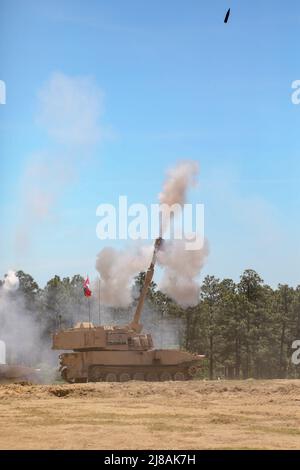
column 245, row 329
column 29, row 288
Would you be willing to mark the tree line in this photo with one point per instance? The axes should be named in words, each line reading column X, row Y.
column 245, row 329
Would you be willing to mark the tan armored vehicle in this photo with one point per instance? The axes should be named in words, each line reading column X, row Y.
column 121, row 353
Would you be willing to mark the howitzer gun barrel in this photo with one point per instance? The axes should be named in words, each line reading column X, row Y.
column 135, row 324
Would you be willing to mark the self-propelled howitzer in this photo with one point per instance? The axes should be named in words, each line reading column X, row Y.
column 121, row 353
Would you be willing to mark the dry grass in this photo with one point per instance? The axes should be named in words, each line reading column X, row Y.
column 137, row 415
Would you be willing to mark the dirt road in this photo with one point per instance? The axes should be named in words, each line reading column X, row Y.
column 136, row 415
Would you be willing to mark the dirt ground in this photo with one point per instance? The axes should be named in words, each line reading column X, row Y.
column 138, row 415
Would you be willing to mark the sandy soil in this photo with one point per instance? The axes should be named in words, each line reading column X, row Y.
column 136, row 415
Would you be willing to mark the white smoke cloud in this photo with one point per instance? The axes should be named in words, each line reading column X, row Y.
column 179, row 179
column 11, row 281
column 117, row 269
column 70, row 111
column 23, row 336
column 181, row 268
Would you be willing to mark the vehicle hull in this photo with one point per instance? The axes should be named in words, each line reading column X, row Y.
column 115, row 366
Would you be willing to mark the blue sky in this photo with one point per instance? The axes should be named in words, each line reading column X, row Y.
column 175, row 82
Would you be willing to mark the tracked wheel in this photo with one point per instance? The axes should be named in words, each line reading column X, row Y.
column 193, row 371
column 152, row 377
column 124, row 377
column 64, row 375
column 111, row 377
column 96, row 374
column 165, row 376
column 138, row 376
column 179, row 376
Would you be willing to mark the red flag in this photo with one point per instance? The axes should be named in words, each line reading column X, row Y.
column 86, row 288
